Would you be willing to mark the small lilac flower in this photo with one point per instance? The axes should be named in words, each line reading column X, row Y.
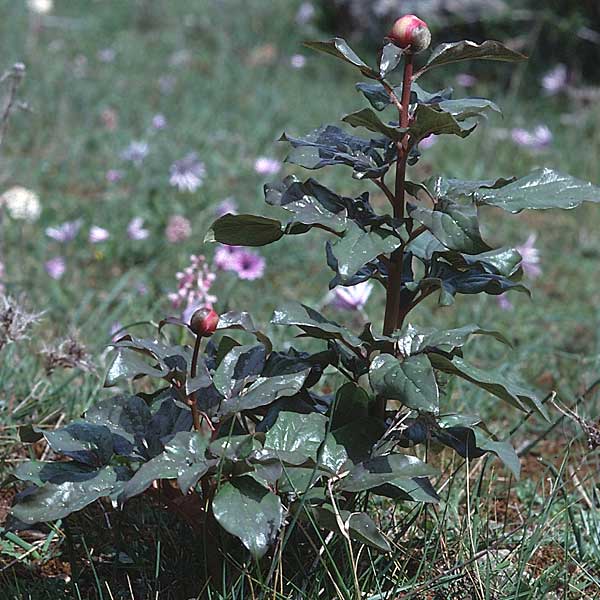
column 538, row 139
column 267, row 166
column 159, row 122
column 114, row 175
column 427, row 142
column 194, row 284
column 555, row 80
column 466, row 80
column 227, row 206
column 136, row 152
column 503, row 302
column 226, row 256
column 187, row 174
column 98, row 234
column 55, row 267
column 352, row 297
column 530, row 257
column 106, row 55
column 298, row 61
column 135, row 229
column 66, row 232
column 178, row 229
column 306, row 13
column 249, row 265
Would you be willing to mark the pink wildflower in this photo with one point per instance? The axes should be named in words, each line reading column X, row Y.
column 98, row 234
column 135, row 229
column 225, row 207
column 351, row 297
column 264, row 165
column 194, row 284
column 178, row 229
column 55, row 267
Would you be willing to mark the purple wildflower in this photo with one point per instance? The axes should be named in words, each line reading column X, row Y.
column 427, row 142
column 225, row 257
column 98, row 234
column 178, row 229
column 264, row 165
column 66, row 232
column 466, row 80
column 114, row 175
column 352, row 297
column 306, row 13
column 226, row 207
column 530, row 257
column 136, row 152
column 194, row 284
column 159, row 122
column 537, row 139
column 555, row 80
column 298, row 61
column 503, row 302
column 249, row 265
column 55, row 267
column 135, row 229
column 187, row 174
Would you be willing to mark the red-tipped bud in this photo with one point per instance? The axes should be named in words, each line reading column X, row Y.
column 204, row 322
column 410, row 33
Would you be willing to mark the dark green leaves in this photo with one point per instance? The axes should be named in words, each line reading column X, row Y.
column 454, row 225
column 244, row 230
column 359, row 247
column 542, row 189
column 339, row 48
column 313, row 323
column 383, row 470
column 84, row 442
column 64, row 494
column 369, row 120
column 453, row 52
column 247, row 510
column 495, row 383
column 433, row 120
column 410, row 381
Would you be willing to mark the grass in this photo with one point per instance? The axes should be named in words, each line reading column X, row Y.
column 232, row 94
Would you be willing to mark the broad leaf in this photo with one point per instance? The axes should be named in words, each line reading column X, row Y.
column 358, row 247
column 410, row 381
column 495, row 383
column 55, row 501
column 430, row 120
column 351, row 404
column 542, row 189
column 128, row 365
column 456, row 226
column 339, row 48
column 369, row 120
column 247, row 510
column 313, row 323
column 359, row 526
column 391, row 55
column 84, row 442
column 241, row 364
column 384, row 469
column 244, row 230
column 183, row 459
column 243, row 321
column 454, row 52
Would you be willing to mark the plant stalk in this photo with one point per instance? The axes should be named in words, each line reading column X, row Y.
column 392, row 307
column 192, row 397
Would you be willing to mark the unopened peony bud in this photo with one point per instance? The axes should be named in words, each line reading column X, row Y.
column 410, row 33
column 204, row 322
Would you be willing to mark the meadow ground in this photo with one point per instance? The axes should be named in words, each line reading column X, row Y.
column 221, row 75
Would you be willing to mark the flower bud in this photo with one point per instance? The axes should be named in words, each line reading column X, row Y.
column 204, row 322
column 410, row 33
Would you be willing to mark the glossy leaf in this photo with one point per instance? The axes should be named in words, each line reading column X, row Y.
column 128, row 365
column 183, row 459
column 243, row 321
column 390, row 58
column 358, row 247
column 541, row 189
column 369, row 120
column 495, row 383
column 453, row 52
column 429, row 120
column 244, row 230
column 410, row 381
column 359, row 526
column 384, row 469
column 241, row 364
column 84, row 442
column 313, row 323
column 55, row 501
column 456, row 226
column 339, row 48
column 247, row 510
column 351, row 404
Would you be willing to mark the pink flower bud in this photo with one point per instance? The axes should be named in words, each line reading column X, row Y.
column 204, row 322
column 410, row 33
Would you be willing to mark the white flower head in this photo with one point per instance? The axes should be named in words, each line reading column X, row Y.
column 41, row 7
column 21, row 204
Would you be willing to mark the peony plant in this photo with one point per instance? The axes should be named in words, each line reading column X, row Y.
column 254, row 437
